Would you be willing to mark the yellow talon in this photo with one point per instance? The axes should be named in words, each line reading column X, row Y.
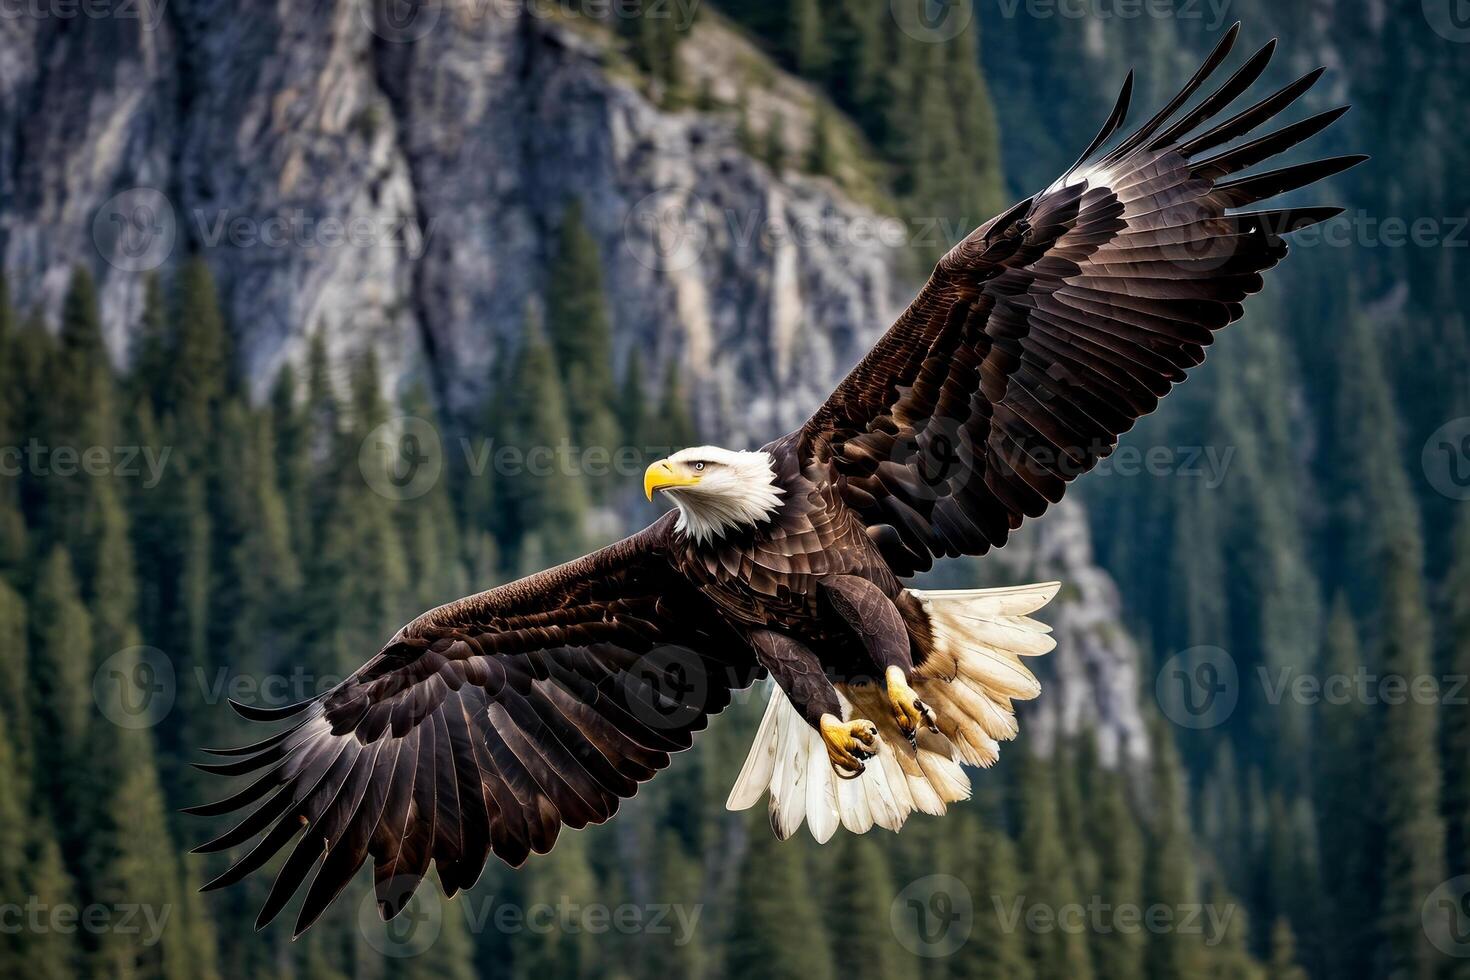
column 908, row 710
column 849, row 743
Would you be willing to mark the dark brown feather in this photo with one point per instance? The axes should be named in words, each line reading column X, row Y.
column 483, row 726
column 1050, row 330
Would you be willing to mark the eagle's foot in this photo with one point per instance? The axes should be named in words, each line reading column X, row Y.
column 908, row 711
column 849, row 743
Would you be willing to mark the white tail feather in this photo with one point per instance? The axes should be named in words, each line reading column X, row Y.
column 970, row 680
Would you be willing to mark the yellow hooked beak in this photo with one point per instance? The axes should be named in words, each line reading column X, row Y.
column 664, row 475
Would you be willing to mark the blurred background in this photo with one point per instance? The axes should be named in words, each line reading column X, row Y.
column 319, row 314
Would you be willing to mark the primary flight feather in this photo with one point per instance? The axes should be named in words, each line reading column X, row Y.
column 487, row 724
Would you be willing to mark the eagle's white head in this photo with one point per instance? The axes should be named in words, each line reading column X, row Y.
column 716, row 489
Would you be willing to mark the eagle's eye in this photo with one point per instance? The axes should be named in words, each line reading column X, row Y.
column 699, row 466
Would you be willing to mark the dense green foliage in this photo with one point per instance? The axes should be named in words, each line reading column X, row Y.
column 277, row 554
column 267, row 552
column 1323, row 552
column 919, row 97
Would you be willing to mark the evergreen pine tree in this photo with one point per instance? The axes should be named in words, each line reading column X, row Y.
column 362, row 571
column 82, row 382
column 655, row 37
column 200, row 362
column 14, row 546
column 138, row 864
column 806, row 40
column 857, row 59
column 1116, row 839
column 61, row 689
column 996, row 949
column 15, row 677
column 744, row 135
column 52, row 955
column 821, row 156
column 1169, row 873
column 578, row 327
column 774, row 152
column 680, row 884
column 251, row 532
column 562, row 882
column 430, row 535
column 1230, row 958
column 540, row 501
column 861, row 891
column 1055, row 954
column 9, row 409
column 35, row 357
column 632, row 407
column 704, row 98
column 676, row 425
column 1408, row 773
column 1283, row 965
column 14, row 847
column 115, row 588
column 449, row 957
column 152, row 350
column 30, row 869
column 1457, row 719
column 78, row 413
column 777, row 931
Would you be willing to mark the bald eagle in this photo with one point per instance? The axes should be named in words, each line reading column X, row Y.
column 487, row 724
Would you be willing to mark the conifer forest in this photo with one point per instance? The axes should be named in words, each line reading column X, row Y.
column 232, row 465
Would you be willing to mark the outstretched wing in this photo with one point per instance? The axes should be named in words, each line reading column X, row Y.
column 485, row 725
column 1052, row 328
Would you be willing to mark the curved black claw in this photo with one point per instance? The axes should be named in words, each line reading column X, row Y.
column 928, row 715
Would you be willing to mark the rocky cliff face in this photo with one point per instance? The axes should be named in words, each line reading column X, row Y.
column 393, row 184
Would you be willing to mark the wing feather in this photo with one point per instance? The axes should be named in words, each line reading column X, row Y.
column 482, row 727
column 1052, row 328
